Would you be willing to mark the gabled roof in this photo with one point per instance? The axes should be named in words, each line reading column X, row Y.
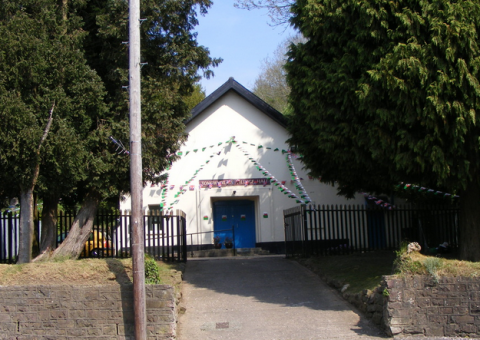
column 232, row 85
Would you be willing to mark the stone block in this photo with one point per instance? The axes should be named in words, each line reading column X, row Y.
column 393, row 283
column 395, row 295
column 467, row 328
column 8, row 327
column 446, row 310
column 416, row 282
column 77, row 313
column 423, row 302
column 400, row 321
column 396, row 330
column 4, row 317
column 473, row 286
column 434, row 331
column 85, row 323
column 76, row 332
column 460, row 311
column 413, row 330
column 94, row 331
column 41, row 292
column 459, row 319
column 452, row 302
column 451, row 329
column 5, row 308
column 59, row 314
column 438, row 319
column 109, row 329
column 158, row 304
column 25, row 317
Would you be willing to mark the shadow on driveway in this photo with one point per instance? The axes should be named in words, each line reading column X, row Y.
column 264, row 297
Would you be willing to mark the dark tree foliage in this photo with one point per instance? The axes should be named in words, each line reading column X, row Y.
column 172, row 61
column 387, row 92
column 49, row 99
column 75, row 54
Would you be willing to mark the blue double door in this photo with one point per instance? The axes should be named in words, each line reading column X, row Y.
column 235, row 219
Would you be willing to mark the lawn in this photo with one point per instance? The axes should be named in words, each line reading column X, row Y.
column 365, row 270
column 359, row 270
column 83, row 272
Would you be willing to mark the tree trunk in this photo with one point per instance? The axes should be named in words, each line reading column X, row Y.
column 26, row 226
column 49, row 227
column 26, row 203
column 73, row 245
column 469, row 223
column 36, row 221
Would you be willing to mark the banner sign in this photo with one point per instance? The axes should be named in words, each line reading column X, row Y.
column 233, row 182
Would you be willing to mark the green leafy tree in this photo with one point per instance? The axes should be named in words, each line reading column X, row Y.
column 271, row 84
column 195, row 97
column 387, row 92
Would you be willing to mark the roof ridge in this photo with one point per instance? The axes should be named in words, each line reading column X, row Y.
column 232, row 84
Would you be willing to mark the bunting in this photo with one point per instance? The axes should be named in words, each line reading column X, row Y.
column 423, row 189
column 301, row 198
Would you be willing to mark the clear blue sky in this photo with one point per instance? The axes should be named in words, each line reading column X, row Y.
column 242, row 38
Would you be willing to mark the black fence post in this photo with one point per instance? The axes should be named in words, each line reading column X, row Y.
column 343, row 229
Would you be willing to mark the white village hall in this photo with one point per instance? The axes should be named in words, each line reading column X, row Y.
column 236, row 174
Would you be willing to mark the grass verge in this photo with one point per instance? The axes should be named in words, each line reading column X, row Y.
column 359, row 270
column 83, row 272
column 364, row 271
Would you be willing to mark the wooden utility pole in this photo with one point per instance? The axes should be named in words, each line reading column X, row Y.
column 136, row 182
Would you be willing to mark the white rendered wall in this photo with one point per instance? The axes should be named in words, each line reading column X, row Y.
column 232, row 116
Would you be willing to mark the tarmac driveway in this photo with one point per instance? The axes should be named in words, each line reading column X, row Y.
column 264, row 297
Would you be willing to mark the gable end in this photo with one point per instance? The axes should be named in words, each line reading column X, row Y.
column 232, row 85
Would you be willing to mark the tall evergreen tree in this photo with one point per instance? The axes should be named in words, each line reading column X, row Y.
column 172, row 61
column 73, row 55
column 45, row 86
column 387, row 92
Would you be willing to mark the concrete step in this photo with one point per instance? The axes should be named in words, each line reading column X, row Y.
column 228, row 252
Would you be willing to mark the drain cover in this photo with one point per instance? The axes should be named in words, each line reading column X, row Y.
column 222, row 325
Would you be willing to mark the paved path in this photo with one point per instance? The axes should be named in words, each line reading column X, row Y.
column 271, row 298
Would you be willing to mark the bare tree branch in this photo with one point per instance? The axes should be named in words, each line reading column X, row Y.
column 47, row 128
column 278, row 10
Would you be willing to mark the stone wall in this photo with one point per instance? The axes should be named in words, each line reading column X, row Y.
column 83, row 312
column 420, row 305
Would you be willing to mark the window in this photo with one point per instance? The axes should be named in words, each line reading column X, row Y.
column 154, row 218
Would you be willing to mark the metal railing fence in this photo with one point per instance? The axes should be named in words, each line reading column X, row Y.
column 165, row 235
column 328, row 230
